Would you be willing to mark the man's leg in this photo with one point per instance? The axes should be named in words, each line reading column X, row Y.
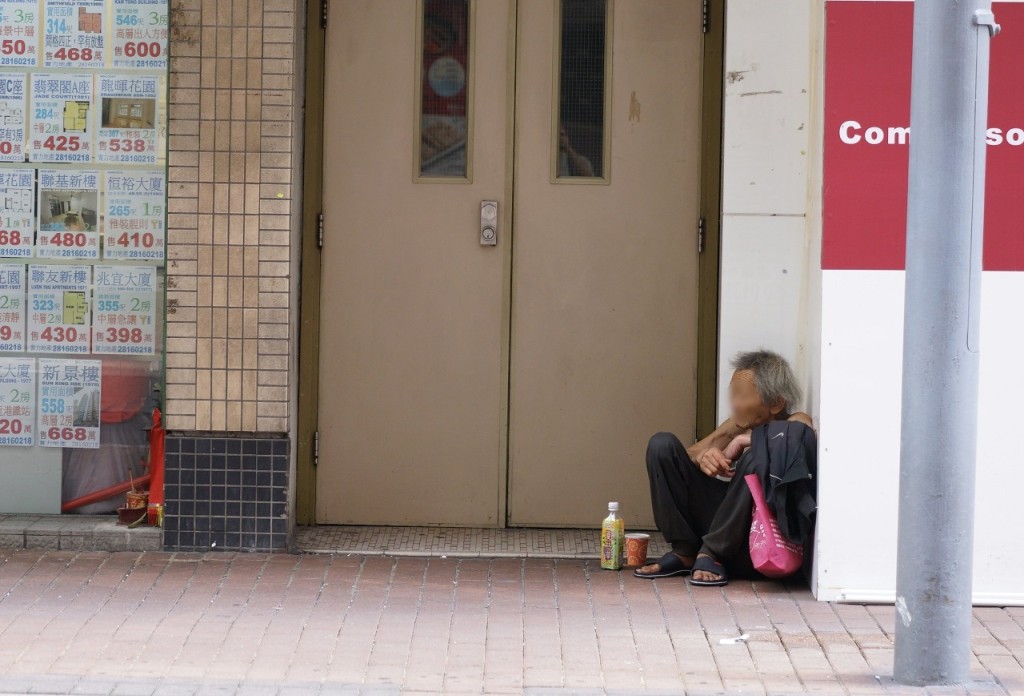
column 683, row 498
column 728, row 538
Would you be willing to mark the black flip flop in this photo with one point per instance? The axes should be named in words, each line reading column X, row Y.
column 710, row 565
column 669, row 566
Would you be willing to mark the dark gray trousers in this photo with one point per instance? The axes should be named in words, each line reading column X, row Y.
column 698, row 513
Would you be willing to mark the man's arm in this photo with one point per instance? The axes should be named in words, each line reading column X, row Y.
column 718, row 439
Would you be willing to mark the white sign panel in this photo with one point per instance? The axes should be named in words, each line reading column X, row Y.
column 68, row 217
column 61, row 118
column 127, row 131
column 134, row 227
column 17, row 401
column 124, row 310
column 12, row 307
column 17, row 212
column 19, row 45
column 73, row 34
column 140, row 34
column 69, row 403
column 59, row 319
column 13, row 125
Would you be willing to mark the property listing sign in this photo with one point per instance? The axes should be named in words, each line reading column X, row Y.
column 59, row 319
column 12, row 307
column 17, row 212
column 17, row 401
column 73, row 34
column 140, row 34
column 124, row 310
column 19, row 44
column 69, row 403
column 68, row 218
column 13, row 125
column 127, row 131
column 134, row 227
column 61, row 118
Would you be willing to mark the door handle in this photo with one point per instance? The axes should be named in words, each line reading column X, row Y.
column 488, row 223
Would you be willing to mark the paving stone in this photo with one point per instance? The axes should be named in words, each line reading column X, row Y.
column 12, row 540
column 42, row 540
column 135, row 624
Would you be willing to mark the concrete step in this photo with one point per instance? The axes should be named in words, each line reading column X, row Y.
column 76, row 533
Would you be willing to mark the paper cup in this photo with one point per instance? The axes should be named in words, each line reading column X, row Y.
column 636, row 549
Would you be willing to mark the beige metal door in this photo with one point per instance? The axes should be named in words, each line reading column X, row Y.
column 441, row 357
column 414, row 327
column 604, row 301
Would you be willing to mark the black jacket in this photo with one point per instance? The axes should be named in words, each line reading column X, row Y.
column 785, row 455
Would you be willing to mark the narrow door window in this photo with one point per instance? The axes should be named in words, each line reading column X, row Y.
column 443, row 128
column 581, row 123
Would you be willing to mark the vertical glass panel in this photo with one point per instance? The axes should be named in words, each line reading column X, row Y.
column 581, row 89
column 444, row 78
column 83, row 204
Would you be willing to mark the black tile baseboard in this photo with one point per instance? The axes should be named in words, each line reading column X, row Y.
column 225, row 491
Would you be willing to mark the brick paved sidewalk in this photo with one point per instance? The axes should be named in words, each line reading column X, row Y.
column 155, row 623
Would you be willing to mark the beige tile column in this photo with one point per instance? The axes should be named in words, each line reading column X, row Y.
column 230, row 227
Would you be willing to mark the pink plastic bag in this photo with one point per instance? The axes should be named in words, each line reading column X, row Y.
column 773, row 554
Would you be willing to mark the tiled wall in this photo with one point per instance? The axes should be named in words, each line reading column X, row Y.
column 225, row 492
column 232, row 108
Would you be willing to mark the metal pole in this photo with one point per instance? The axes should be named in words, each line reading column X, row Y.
column 948, row 111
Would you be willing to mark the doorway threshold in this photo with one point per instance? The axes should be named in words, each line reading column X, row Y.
column 457, row 542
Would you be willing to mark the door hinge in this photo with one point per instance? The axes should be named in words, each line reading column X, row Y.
column 320, row 231
column 700, row 235
column 323, row 13
column 706, row 16
column 316, row 448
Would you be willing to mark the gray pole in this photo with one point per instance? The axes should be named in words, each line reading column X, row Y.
column 948, row 110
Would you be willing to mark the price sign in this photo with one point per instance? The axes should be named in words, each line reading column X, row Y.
column 124, row 310
column 13, row 125
column 68, row 218
column 140, row 34
column 61, row 119
column 19, row 42
column 17, row 212
column 73, row 34
column 17, row 401
column 68, row 412
column 12, row 307
column 127, row 131
column 134, row 227
column 58, row 309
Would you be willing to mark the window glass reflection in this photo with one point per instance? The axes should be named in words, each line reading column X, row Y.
column 581, row 89
column 444, row 127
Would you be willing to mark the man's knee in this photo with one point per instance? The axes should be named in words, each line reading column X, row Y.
column 662, row 445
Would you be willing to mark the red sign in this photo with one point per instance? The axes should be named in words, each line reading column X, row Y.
column 867, row 137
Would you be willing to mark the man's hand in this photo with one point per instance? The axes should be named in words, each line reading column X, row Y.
column 713, row 462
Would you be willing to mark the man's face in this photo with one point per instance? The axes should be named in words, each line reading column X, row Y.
column 748, row 409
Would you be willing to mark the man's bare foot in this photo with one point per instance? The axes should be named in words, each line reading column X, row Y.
column 704, row 575
column 655, row 568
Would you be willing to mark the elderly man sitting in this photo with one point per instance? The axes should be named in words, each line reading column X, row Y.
column 702, row 512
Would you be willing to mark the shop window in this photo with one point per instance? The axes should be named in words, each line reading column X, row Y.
column 83, row 201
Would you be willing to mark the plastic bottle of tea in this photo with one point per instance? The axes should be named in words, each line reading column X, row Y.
column 613, row 534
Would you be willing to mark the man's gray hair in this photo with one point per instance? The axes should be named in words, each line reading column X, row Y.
column 773, row 377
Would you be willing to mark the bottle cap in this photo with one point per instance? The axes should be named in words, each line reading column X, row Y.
column 613, row 506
